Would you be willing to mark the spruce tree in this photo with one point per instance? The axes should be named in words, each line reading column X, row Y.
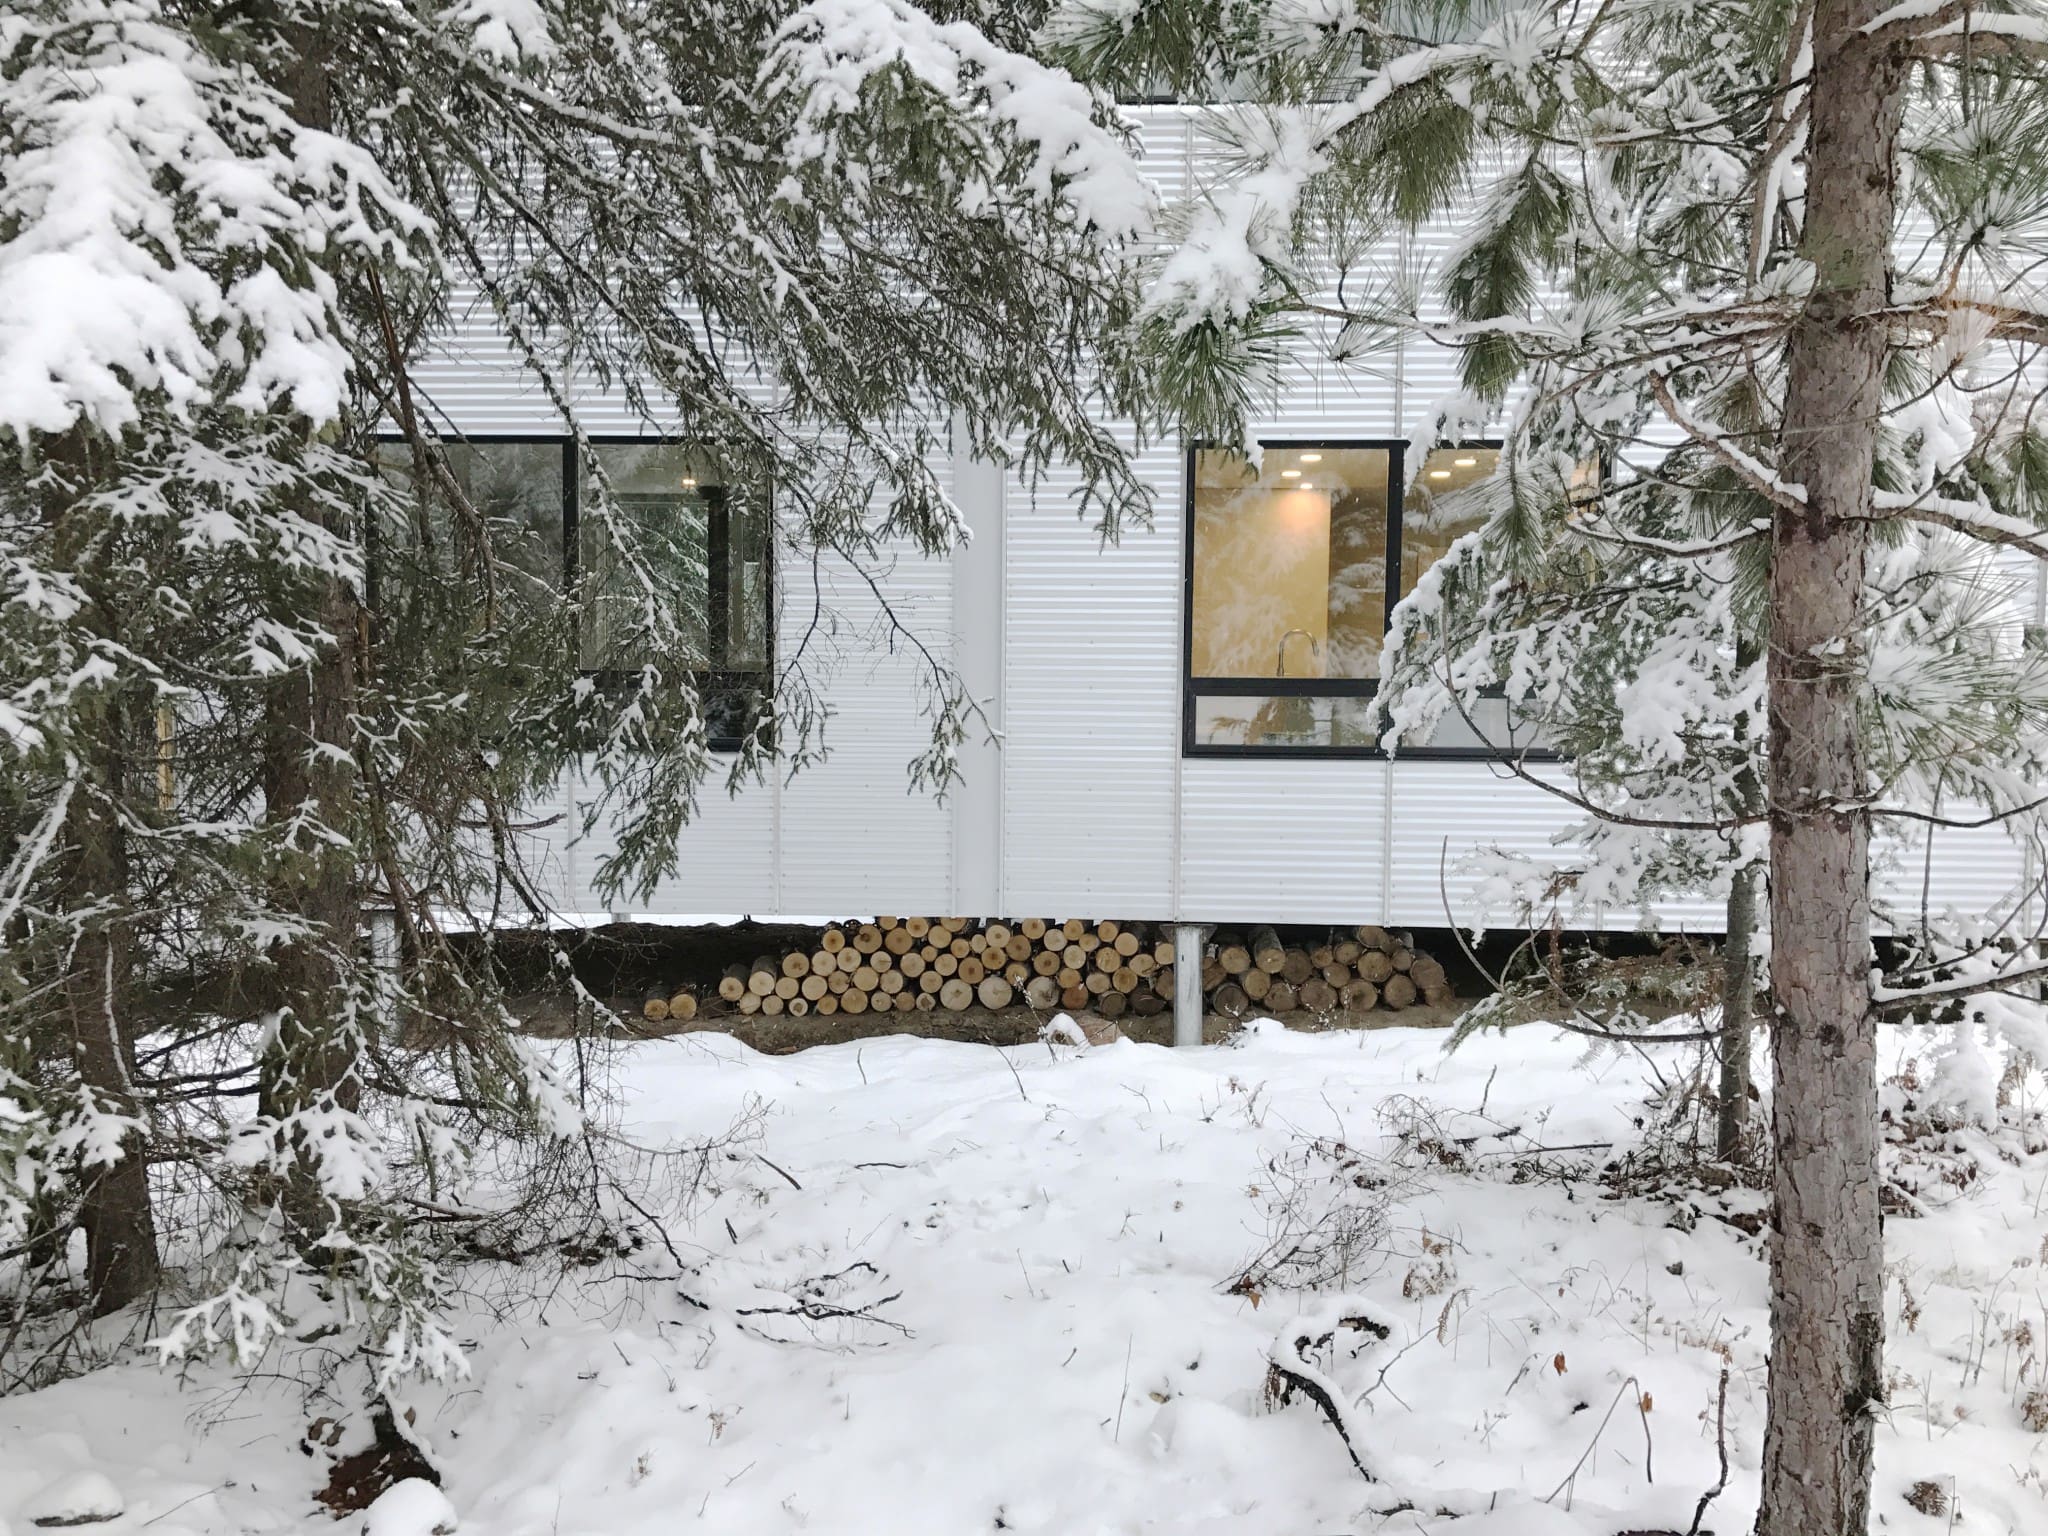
column 267, row 666
column 1774, row 266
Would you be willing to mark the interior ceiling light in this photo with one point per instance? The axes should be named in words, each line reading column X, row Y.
column 1465, row 463
column 1439, row 474
column 1290, row 474
column 1311, row 458
column 689, row 482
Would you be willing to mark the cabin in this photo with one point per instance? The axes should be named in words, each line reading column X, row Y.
column 1180, row 717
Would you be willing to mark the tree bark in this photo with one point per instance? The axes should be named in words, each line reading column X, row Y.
column 309, row 778
column 1738, row 994
column 310, row 792
column 120, row 1226
column 1827, row 1328
column 1738, row 981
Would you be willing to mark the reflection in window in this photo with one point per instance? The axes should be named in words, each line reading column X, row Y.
column 1295, row 720
column 516, row 488
column 1265, row 720
column 693, row 533
column 1433, row 518
column 700, row 548
column 1290, row 570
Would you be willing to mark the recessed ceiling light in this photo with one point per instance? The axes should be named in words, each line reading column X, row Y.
column 1465, row 463
column 689, row 482
column 1290, row 474
column 1311, row 458
column 1306, row 486
column 1439, row 474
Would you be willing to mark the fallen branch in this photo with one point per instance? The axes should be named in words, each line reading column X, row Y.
column 1291, row 1371
column 1721, row 1442
column 812, row 1304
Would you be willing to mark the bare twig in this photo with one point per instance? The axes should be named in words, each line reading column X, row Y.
column 1721, row 1442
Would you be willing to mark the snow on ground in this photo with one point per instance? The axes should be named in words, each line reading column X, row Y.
column 1053, row 1232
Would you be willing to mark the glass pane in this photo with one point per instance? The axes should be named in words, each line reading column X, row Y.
column 1290, row 563
column 1263, row 720
column 516, row 488
column 1433, row 517
column 664, row 494
column 745, row 627
column 698, row 541
column 1488, row 726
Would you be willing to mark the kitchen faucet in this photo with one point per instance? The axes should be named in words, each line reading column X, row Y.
column 1315, row 650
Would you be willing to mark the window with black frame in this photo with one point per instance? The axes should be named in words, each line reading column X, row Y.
column 692, row 532
column 1294, row 563
column 710, row 536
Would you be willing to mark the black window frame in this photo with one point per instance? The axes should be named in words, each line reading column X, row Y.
column 717, row 543
column 1193, row 687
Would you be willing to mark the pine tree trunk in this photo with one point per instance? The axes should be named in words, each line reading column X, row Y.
column 1738, row 989
column 1827, row 1328
column 308, row 776
column 1738, row 992
column 120, row 1227
column 309, row 779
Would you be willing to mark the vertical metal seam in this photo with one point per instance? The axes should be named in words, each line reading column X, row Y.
column 1002, row 722
column 1386, row 913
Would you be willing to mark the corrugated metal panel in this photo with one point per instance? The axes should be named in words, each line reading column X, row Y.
column 853, row 838
column 1446, row 813
column 725, row 866
column 1971, row 872
column 1164, row 136
column 844, row 835
column 1092, row 707
column 1293, row 841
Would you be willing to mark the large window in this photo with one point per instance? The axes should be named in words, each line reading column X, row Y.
column 693, row 530
column 1294, row 564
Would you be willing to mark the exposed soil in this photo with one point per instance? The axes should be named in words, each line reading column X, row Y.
column 359, row 1479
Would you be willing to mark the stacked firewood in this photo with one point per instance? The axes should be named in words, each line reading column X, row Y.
column 1354, row 971
column 926, row 964
column 922, row 964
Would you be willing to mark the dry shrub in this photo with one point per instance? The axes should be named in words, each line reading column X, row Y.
column 1433, row 1271
column 2034, row 1410
column 1327, row 1208
column 1929, row 1497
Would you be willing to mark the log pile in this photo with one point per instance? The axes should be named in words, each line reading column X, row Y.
column 1353, row 971
column 947, row 964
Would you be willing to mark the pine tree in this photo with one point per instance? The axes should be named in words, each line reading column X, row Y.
column 1774, row 267
column 266, row 664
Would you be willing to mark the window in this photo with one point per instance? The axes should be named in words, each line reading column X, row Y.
column 712, row 536
column 710, row 539
column 1293, row 566
column 516, row 488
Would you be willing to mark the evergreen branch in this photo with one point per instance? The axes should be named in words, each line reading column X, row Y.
column 1756, row 475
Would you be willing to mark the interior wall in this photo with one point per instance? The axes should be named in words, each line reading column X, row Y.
column 1262, row 569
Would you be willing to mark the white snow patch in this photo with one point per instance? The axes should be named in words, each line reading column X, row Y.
column 78, row 1498
column 414, row 1507
column 1016, row 1265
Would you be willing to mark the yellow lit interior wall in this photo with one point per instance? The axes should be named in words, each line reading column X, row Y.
column 1262, row 568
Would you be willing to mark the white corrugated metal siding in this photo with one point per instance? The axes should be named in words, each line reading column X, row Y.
column 1091, row 680
column 1098, row 812
column 1283, row 841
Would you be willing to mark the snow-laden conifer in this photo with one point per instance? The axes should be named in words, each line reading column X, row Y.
column 1756, row 292
column 278, row 698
